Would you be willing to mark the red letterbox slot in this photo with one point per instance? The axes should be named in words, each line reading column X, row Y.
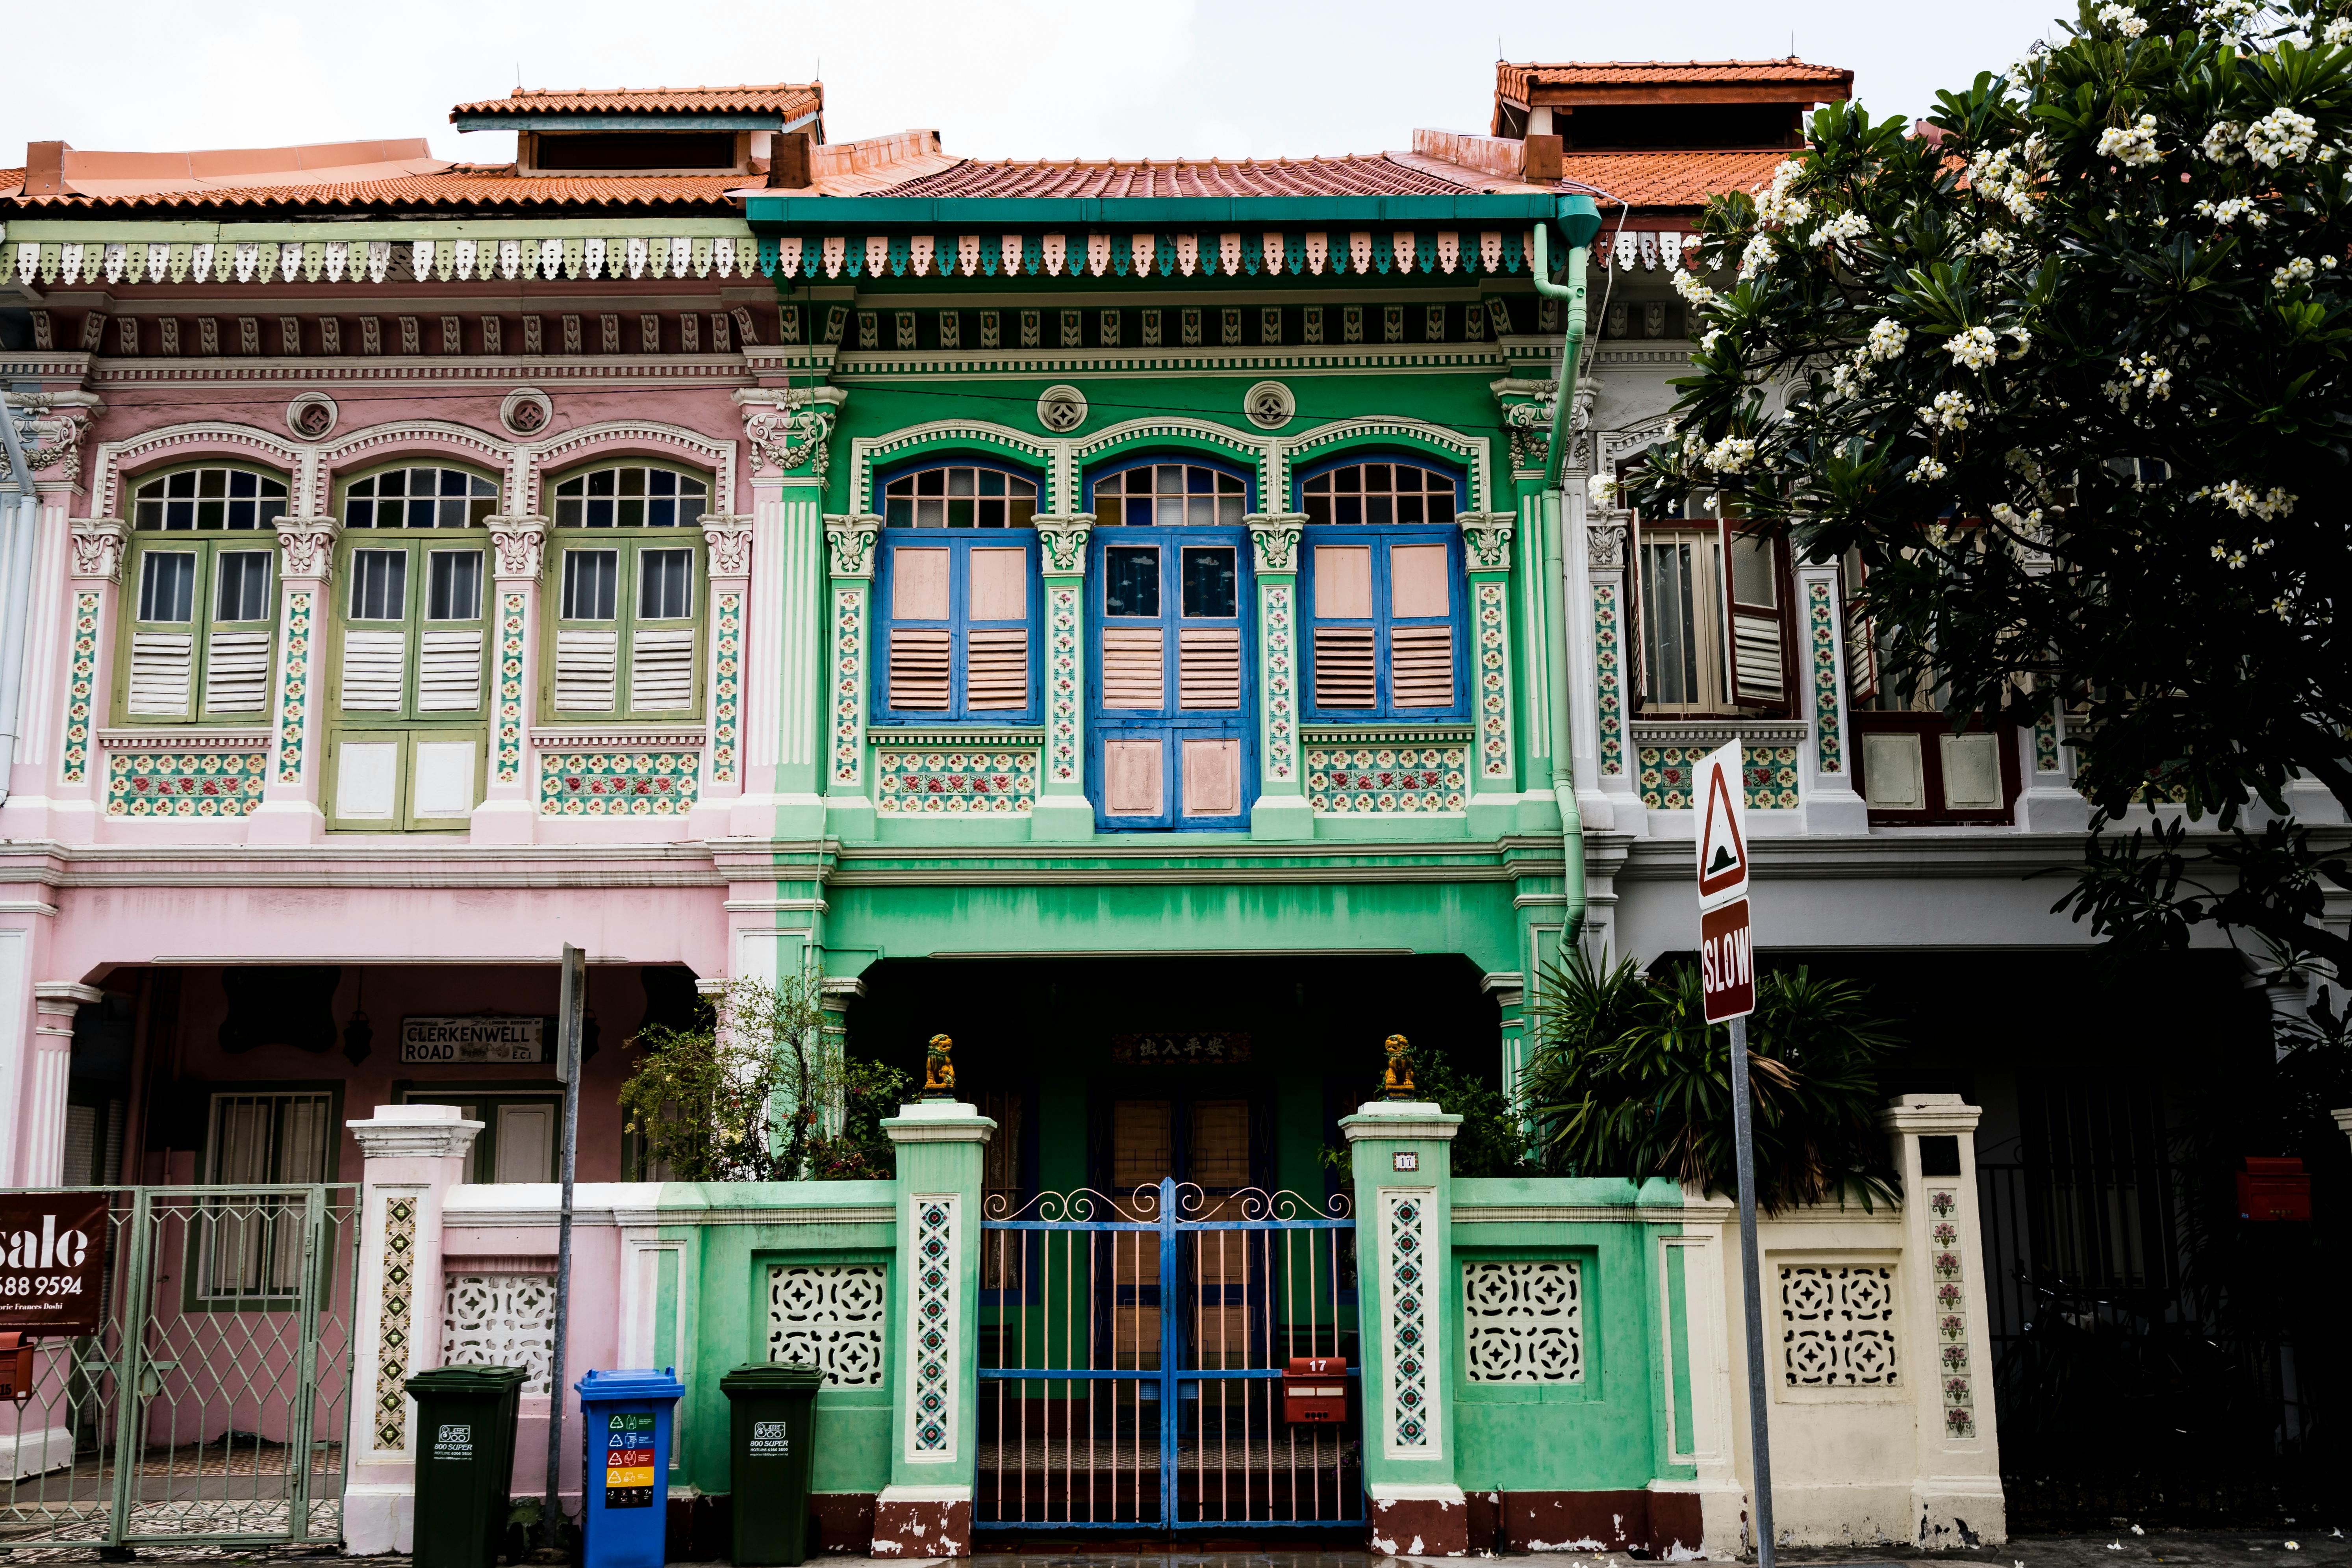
column 1315, row 1389
column 16, row 1366
column 2274, row 1189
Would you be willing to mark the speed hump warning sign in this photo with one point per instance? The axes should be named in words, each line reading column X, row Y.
column 1727, row 960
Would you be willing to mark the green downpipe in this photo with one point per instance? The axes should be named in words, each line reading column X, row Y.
column 1579, row 224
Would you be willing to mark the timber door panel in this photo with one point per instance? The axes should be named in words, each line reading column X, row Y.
column 1171, row 662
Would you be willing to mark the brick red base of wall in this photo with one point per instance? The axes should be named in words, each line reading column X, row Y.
column 917, row 1529
column 1653, row 1523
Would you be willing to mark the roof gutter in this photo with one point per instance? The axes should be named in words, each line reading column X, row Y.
column 833, row 214
column 18, row 533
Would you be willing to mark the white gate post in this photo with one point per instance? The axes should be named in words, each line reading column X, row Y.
column 414, row 1153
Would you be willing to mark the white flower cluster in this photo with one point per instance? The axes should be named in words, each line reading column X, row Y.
column 2123, row 19
column 1761, row 253
column 1777, row 206
column 2280, row 136
column 2244, row 501
column 1731, row 455
column 2229, row 212
column 2236, row 559
column 1848, row 380
column 2009, row 517
column 1600, row 490
column 1992, row 242
column 2225, row 141
column 1846, row 225
column 1927, row 471
column 1951, row 411
column 1998, row 176
column 1708, row 341
column 1694, row 291
column 1887, row 338
column 2141, row 376
column 2298, row 271
column 1975, row 348
column 2228, row 15
column 2337, row 32
column 2133, row 146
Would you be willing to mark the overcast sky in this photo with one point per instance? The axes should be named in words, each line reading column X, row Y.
column 996, row 78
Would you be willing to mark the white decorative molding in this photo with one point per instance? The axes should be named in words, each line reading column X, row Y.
column 1106, row 443
column 865, row 451
column 307, row 547
column 98, row 544
column 377, row 442
column 185, row 740
column 113, row 459
column 730, row 540
column 849, row 542
column 619, row 738
column 399, row 1132
column 522, row 546
column 617, row 436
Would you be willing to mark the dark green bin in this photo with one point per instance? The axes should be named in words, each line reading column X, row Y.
column 465, row 1461
column 772, row 1417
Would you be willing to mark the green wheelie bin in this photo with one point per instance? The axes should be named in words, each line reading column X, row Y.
column 464, row 1462
column 770, row 1416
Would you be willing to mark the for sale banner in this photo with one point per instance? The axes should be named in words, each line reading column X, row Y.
column 53, row 1262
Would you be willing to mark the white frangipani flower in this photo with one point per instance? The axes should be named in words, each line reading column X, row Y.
column 1974, row 348
column 2280, row 136
column 1887, row 338
column 2133, row 146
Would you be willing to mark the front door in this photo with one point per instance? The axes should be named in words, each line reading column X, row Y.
column 1171, row 732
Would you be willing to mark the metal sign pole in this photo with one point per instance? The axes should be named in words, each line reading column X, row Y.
column 570, row 1012
column 1743, row 1134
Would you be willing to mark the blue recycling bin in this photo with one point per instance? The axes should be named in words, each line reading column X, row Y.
column 624, row 1418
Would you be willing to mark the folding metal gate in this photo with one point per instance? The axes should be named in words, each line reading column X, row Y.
column 1133, row 1352
column 212, row 1405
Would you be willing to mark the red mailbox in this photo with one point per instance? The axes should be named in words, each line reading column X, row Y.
column 16, row 1366
column 1314, row 1388
column 2272, row 1189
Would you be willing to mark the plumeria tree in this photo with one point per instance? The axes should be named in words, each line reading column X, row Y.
column 2067, row 369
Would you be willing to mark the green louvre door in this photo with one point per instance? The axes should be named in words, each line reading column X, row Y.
column 410, row 689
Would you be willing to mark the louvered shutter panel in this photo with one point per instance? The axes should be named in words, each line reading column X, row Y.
column 449, row 677
column 1420, row 666
column 236, row 672
column 919, row 673
column 585, row 666
column 1343, row 667
column 1134, row 667
column 375, row 665
column 1209, row 668
column 996, row 669
column 661, row 670
column 1757, row 594
column 161, row 665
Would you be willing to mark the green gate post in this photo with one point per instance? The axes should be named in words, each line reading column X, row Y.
column 926, row 1511
column 1401, row 1153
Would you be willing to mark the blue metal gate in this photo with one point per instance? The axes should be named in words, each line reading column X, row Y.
column 1132, row 1356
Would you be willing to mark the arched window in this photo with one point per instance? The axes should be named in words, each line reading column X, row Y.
column 407, row 738
column 1170, row 494
column 960, row 495
column 203, row 629
column 958, row 608
column 630, row 495
column 628, row 598
column 1383, row 583
column 1378, row 495
column 419, row 497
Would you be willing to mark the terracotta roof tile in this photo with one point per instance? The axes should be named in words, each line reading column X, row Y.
column 1668, row 179
column 465, row 186
column 1354, row 175
column 1513, row 79
column 789, row 100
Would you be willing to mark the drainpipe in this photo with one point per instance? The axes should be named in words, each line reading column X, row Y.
column 16, row 590
column 1580, row 222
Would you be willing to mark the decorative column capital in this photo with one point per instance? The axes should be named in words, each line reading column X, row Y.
column 729, row 539
column 308, row 547
column 1487, row 539
column 849, row 540
column 415, row 1133
column 1275, row 536
column 790, row 429
column 1604, row 541
column 1063, row 538
column 522, row 545
column 97, row 545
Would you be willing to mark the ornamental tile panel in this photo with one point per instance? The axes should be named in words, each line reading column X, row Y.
column 185, row 784
column 1611, row 665
column 618, row 783
column 932, row 1334
column 1387, row 781
column 394, row 1323
column 2045, row 745
column 1494, row 685
column 829, row 1316
column 510, row 640
column 1410, row 1420
column 85, row 676
column 1951, row 1313
column 294, row 699
column 848, row 684
column 1523, row 1322
column 1822, row 619
column 1281, row 693
column 1061, row 682
column 1668, row 773
column 727, row 689
column 1837, row 1326
column 927, row 781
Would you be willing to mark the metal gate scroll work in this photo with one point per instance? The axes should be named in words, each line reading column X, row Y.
column 1133, row 1354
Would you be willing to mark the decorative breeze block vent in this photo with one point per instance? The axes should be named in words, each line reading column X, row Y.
column 829, row 1316
column 500, row 1320
column 1837, row 1326
column 1524, row 1322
